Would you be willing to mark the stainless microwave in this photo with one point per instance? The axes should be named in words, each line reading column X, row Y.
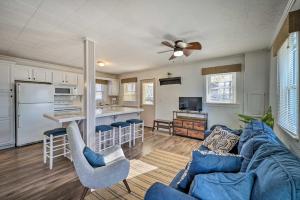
column 65, row 90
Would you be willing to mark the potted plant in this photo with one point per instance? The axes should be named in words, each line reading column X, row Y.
column 267, row 118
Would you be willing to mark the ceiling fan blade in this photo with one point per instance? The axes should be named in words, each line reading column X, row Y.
column 168, row 44
column 194, row 46
column 187, row 52
column 172, row 57
column 165, row 51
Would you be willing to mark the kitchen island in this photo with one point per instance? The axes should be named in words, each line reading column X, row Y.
column 106, row 115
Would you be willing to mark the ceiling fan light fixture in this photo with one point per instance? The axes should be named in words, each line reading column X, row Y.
column 178, row 52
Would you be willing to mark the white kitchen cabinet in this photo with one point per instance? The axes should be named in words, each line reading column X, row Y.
column 22, row 73
column 6, row 84
column 26, row 73
column 70, row 78
column 66, row 78
column 58, row 77
column 6, row 105
column 113, row 87
column 80, row 84
column 41, row 75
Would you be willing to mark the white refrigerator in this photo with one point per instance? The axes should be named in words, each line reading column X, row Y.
column 32, row 101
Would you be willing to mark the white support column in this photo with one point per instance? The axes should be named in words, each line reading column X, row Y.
column 89, row 103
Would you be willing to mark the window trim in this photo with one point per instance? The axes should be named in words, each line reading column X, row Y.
column 234, row 90
column 296, row 135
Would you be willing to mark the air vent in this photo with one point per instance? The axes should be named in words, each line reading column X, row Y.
column 170, row 81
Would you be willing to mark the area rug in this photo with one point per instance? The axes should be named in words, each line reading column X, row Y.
column 160, row 166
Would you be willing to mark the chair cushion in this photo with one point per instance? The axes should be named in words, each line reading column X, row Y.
column 134, row 121
column 222, row 186
column 221, row 140
column 278, row 174
column 94, row 159
column 175, row 180
column 56, row 132
column 251, row 146
column 208, row 162
column 103, row 128
column 120, row 124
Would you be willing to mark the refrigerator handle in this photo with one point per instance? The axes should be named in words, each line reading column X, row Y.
column 18, row 121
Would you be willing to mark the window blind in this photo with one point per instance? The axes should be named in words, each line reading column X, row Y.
column 288, row 85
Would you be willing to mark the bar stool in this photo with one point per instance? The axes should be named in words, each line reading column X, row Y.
column 123, row 132
column 105, row 137
column 137, row 129
column 55, row 140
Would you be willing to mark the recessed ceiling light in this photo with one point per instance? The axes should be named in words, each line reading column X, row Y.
column 100, row 63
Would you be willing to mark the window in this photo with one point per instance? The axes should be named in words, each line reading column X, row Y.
column 99, row 91
column 221, row 88
column 129, row 91
column 288, row 85
column 148, row 93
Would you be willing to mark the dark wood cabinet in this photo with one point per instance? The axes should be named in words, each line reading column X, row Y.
column 190, row 124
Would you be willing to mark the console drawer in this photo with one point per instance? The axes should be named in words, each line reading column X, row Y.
column 196, row 134
column 180, row 131
column 187, row 124
column 177, row 123
column 200, row 126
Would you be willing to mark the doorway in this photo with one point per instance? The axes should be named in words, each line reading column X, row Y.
column 148, row 101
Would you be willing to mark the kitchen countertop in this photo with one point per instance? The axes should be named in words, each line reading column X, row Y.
column 102, row 112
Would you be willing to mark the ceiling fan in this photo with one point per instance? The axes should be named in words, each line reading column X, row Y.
column 180, row 48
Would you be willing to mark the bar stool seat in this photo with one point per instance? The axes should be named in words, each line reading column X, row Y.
column 134, row 121
column 56, row 132
column 120, row 124
column 103, row 128
column 55, row 140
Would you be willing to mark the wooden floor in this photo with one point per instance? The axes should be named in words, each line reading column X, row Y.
column 24, row 176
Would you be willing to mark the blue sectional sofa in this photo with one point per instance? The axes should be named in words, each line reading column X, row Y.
column 277, row 170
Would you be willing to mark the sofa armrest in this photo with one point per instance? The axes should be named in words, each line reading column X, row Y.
column 159, row 191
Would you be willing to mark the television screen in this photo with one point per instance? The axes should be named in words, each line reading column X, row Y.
column 190, row 103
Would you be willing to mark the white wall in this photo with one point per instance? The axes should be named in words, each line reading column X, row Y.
column 193, row 84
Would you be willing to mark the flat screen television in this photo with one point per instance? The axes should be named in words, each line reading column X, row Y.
column 190, row 103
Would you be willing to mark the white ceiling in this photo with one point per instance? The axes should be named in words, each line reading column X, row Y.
column 128, row 32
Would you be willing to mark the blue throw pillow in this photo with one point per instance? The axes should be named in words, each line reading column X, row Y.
column 222, row 186
column 95, row 159
column 208, row 162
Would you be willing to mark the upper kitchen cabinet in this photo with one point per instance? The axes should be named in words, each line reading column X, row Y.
column 66, row 78
column 42, row 75
column 113, row 87
column 22, row 73
column 25, row 73
column 70, row 78
column 6, row 84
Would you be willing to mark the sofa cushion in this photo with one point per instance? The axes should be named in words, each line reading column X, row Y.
column 221, row 140
column 94, row 159
column 278, row 173
column 208, row 162
column 253, row 129
column 222, row 186
column 251, row 146
column 175, row 180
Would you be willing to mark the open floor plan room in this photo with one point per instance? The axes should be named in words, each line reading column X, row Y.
column 153, row 100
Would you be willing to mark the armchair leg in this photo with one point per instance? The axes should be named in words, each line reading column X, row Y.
column 85, row 190
column 127, row 186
